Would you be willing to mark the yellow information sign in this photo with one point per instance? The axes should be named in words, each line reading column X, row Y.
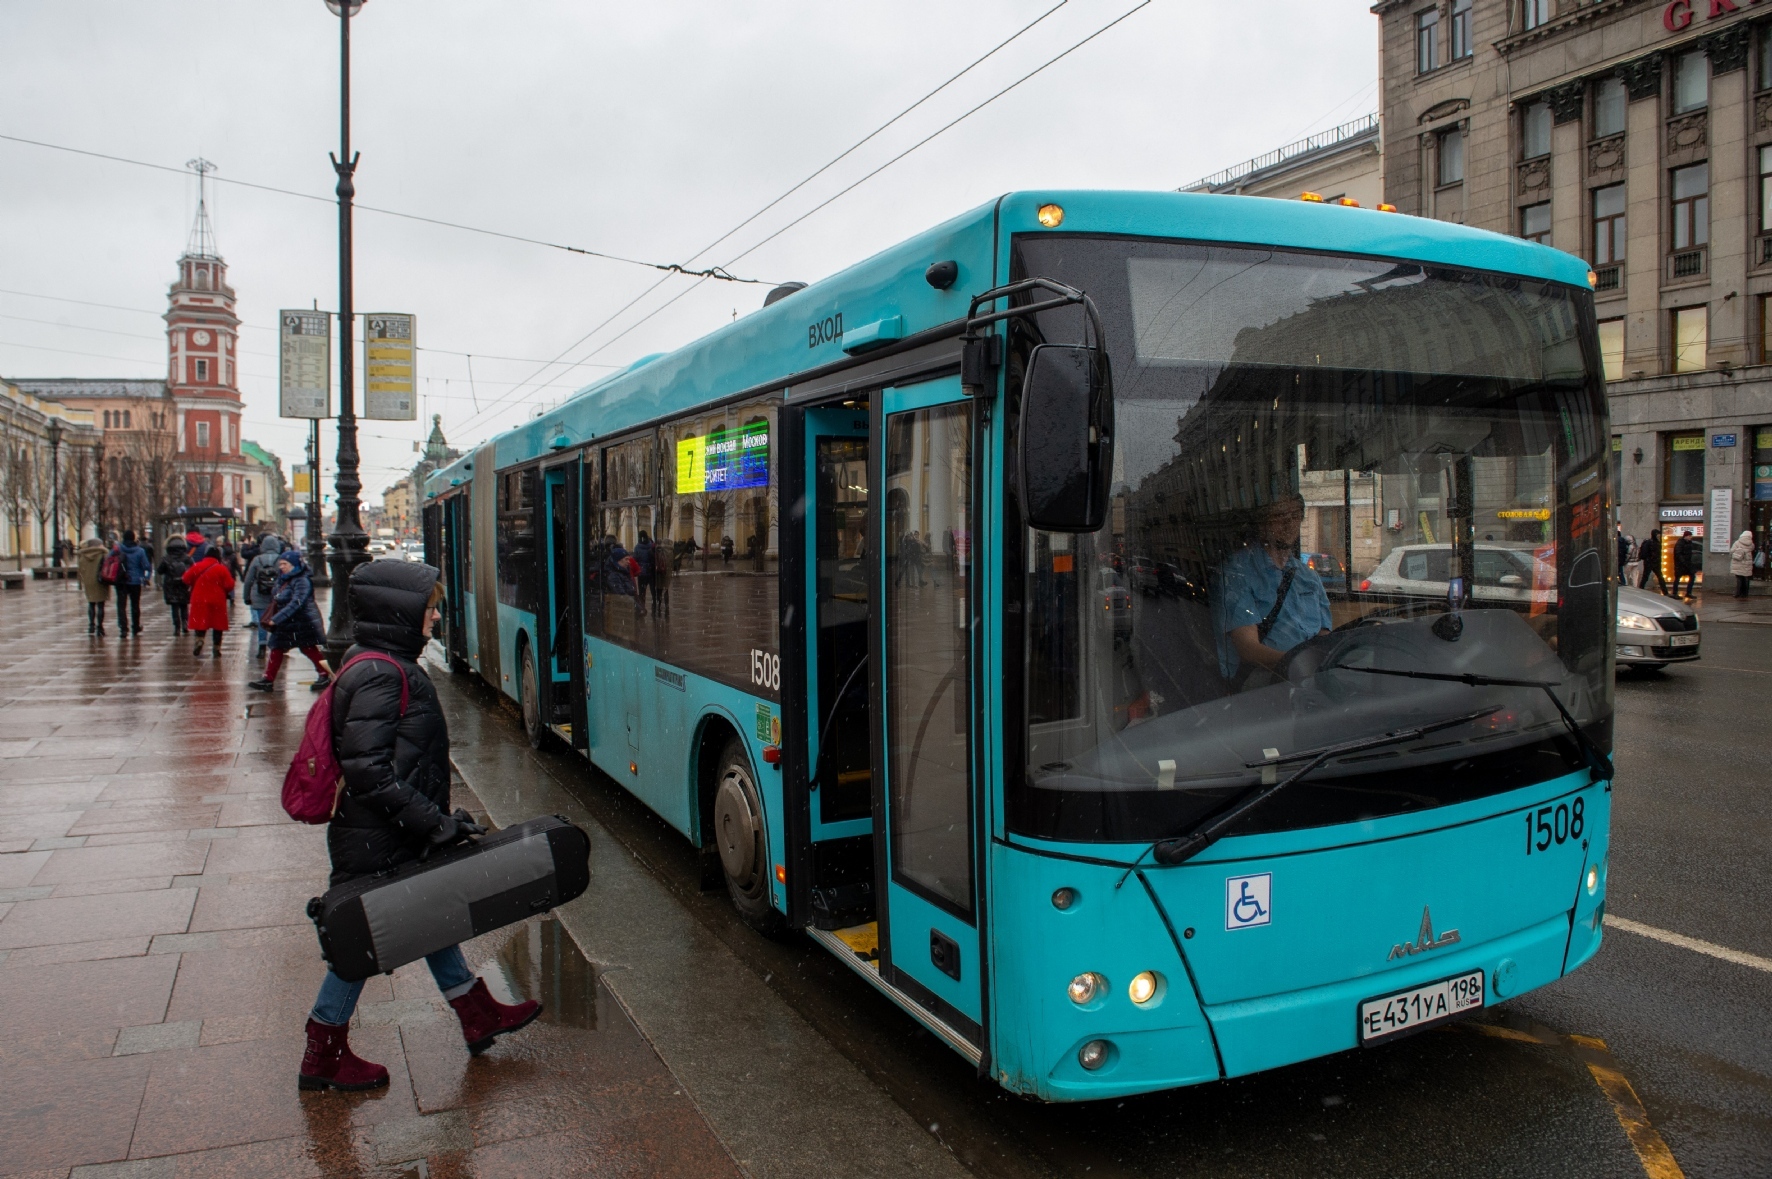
column 390, row 369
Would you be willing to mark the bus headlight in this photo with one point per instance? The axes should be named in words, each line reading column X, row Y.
column 1593, row 878
column 1143, row 987
column 1093, row 1055
column 1086, row 987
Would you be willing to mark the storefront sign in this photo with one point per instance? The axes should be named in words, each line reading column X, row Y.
column 1722, row 504
column 1689, row 442
column 1692, row 513
column 1678, row 14
column 1719, row 441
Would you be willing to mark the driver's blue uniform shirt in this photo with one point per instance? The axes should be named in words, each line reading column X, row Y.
column 1247, row 586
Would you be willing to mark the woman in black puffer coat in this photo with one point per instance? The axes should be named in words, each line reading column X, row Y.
column 395, row 804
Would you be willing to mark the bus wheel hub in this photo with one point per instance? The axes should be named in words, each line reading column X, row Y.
column 735, row 826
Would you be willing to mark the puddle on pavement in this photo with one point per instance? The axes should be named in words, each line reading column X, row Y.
column 541, row 961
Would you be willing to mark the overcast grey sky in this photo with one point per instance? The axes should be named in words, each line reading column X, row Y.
column 646, row 130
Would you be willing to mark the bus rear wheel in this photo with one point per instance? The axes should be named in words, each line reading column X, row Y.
column 738, row 837
column 531, row 701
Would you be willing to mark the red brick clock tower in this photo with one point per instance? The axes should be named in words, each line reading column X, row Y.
column 203, row 377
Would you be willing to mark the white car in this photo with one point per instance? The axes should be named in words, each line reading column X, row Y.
column 1504, row 573
column 1654, row 630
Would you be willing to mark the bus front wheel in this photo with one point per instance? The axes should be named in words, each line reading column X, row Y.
column 738, row 837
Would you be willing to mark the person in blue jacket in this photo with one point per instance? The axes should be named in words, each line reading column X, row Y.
column 294, row 621
column 137, row 571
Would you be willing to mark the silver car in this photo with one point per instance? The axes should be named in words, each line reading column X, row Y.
column 1654, row 630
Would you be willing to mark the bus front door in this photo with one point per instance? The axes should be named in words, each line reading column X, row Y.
column 922, row 531
column 840, row 825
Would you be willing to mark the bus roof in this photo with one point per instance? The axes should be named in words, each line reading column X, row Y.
column 884, row 298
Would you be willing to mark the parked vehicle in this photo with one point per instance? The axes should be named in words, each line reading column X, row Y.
column 1654, row 630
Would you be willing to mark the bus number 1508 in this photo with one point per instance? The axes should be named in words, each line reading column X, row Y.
column 766, row 670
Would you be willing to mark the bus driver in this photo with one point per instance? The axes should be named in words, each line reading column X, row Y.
column 1268, row 601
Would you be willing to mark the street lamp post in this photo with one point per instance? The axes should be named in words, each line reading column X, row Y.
column 349, row 541
column 55, row 490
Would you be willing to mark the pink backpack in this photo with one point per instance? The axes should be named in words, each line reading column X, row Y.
column 315, row 780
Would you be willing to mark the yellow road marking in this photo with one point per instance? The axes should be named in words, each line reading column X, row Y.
column 1652, row 1151
column 1739, row 957
column 1658, row 1161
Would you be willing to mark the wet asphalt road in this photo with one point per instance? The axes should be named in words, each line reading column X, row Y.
column 1691, row 1033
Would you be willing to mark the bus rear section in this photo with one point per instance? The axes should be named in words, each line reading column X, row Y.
column 1430, row 754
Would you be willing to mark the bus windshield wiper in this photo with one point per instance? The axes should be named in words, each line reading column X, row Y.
column 1182, row 848
column 1598, row 764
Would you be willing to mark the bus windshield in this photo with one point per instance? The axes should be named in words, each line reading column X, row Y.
column 1326, row 468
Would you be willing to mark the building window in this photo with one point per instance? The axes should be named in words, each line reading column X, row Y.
column 1684, row 473
column 249, row 487
column 126, row 424
column 1765, row 191
column 1535, row 221
column 202, row 435
column 1462, row 45
column 1691, row 338
column 1427, row 40
column 1608, row 224
column 1534, row 13
column 107, row 419
column 1535, row 131
column 1691, row 83
column 1609, row 103
column 202, row 370
column 1612, row 348
column 1765, row 59
column 1691, row 192
column 1452, row 156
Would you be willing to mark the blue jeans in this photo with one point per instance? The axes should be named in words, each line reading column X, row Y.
column 338, row 998
column 264, row 636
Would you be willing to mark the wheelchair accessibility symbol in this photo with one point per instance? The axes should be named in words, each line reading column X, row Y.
column 1248, row 901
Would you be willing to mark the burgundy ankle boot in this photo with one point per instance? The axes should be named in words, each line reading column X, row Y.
column 329, row 1062
column 484, row 1019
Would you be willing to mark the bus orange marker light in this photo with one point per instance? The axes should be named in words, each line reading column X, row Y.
column 1382, row 207
column 1593, row 280
column 1051, row 216
column 781, row 873
column 1350, row 202
column 633, row 767
column 1311, row 196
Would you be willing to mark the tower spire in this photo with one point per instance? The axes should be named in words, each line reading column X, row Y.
column 202, row 241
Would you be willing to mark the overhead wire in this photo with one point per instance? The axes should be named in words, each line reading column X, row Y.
column 821, row 205
column 952, row 123
column 714, row 272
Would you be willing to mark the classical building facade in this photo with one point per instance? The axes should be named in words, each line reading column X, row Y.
column 48, row 474
column 1636, row 134
column 175, row 442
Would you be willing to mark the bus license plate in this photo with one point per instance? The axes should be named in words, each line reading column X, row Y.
column 1683, row 640
column 1423, row 1006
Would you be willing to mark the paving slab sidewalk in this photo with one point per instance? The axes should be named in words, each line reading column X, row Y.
column 156, row 967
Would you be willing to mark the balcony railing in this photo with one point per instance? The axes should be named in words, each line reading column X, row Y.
column 1686, row 264
column 1608, row 278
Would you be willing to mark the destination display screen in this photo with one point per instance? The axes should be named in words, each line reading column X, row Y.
column 724, row 460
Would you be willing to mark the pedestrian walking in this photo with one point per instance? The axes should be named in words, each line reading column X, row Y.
column 261, row 583
column 294, row 621
column 1686, row 559
column 210, row 582
column 231, row 559
column 394, row 806
column 92, row 558
column 1650, row 555
column 1625, row 548
column 644, row 574
column 172, row 581
column 1741, row 562
column 136, row 572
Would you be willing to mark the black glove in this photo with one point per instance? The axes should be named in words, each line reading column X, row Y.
column 465, row 825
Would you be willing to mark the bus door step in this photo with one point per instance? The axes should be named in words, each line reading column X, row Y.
column 839, row 906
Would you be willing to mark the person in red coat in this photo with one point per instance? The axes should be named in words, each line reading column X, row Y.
column 210, row 583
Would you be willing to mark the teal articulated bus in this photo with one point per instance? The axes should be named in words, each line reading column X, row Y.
column 1150, row 637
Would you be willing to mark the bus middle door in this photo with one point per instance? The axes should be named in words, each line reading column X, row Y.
column 923, row 531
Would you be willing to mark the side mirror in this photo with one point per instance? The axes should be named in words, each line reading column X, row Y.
column 1066, row 454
